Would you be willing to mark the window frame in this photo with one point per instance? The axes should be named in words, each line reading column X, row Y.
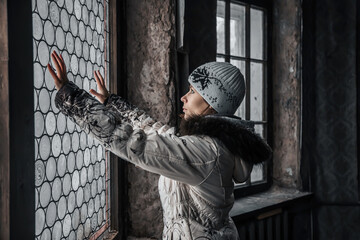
column 252, row 188
column 118, row 167
column 18, row 132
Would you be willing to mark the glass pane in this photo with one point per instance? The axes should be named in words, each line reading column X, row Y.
column 220, row 27
column 220, row 59
column 240, row 112
column 237, row 30
column 259, row 129
column 70, row 168
column 256, row 33
column 256, row 91
column 257, row 173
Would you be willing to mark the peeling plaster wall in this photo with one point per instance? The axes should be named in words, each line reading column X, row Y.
column 150, row 81
column 287, row 92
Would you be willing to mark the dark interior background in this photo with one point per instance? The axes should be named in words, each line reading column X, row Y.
column 330, row 151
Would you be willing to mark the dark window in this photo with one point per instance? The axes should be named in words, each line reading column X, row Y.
column 242, row 39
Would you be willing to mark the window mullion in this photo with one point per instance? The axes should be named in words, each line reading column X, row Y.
column 247, row 63
column 247, row 69
column 227, row 31
column 265, row 78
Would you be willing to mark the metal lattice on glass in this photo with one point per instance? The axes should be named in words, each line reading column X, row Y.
column 71, row 168
column 241, row 41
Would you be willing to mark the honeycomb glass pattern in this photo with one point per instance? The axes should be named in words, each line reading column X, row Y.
column 71, row 168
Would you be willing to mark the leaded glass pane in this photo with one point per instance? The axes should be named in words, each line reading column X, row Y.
column 71, row 179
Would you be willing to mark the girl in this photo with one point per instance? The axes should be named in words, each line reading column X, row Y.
column 197, row 166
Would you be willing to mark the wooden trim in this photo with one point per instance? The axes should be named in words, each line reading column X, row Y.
column 269, row 213
column 99, row 232
column 4, row 125
column 114, row 196
column 112, row 236
column 118, row 85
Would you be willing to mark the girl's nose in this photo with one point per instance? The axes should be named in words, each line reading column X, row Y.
column 183, row 98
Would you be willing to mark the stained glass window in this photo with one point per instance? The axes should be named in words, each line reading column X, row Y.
column 71, row 169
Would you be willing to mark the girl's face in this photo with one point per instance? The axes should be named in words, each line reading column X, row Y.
column 194, row 104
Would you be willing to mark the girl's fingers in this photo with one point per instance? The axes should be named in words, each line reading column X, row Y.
column 102, row 79
column 99, row 96
column 53, row 74
column 55, row 58
column 58, row 60
column 63, row 62
column 97, row 80
column 57, row 66
column 95, row 93
column 92, row 91
column 97, row 76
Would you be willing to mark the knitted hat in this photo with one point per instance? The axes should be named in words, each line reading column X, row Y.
column 221, row 84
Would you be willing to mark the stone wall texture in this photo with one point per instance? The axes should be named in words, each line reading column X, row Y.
column 287, row 92
column 150, row 81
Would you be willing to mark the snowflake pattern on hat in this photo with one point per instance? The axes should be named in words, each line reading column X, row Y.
column 221, row 85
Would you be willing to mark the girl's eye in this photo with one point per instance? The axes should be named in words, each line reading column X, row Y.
column 192, row 91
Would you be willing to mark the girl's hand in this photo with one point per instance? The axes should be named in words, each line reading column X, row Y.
column 103, row 94
column 60, row 77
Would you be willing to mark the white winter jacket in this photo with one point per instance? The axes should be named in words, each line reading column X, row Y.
column 196, row 170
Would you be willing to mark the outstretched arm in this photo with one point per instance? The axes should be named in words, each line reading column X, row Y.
column 188, row 159
column 125, row 111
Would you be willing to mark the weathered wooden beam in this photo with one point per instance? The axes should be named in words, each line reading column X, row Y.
column 4, row 125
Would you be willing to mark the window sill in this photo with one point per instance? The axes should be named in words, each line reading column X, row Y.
column 269, row 202
column 109, row 235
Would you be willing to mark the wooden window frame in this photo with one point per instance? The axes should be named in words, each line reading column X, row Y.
column 252, row 188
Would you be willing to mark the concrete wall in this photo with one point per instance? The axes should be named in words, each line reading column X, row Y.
column 287, row 92
column 150, row 67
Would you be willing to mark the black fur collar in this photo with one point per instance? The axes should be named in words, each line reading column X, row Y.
column 237, row 135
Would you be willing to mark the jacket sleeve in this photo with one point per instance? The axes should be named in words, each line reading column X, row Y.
column 189, row 159
column 136, row 117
